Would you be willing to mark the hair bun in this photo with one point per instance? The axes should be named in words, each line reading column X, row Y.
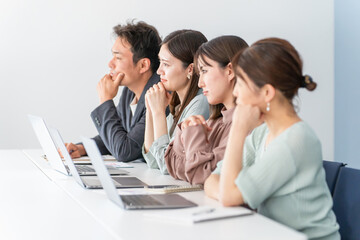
column 308, row 83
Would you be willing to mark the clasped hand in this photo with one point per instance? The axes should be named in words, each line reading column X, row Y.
column 108, row 88
column 157, row 98
column 194, row 121
column 247, row 117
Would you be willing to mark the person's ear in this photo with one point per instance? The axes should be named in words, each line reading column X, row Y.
column 268, row 91
column 189, row 71
column 144, row 65
column 230, row 73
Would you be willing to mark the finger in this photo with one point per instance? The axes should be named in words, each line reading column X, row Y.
column 119, row 78
column 103, row 77
column 155, row 87
column 195, row 121
column 71, row 147
column 59, row 151
column 201, row 118
column 75, row 154
column 184, row 124
column 161, row 86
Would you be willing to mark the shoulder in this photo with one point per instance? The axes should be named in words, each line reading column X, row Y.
column 259, row 133
column 199, row 102
column 301, row 135
column 126, row 95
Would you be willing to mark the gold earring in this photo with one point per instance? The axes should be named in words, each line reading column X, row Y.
column 189, row 76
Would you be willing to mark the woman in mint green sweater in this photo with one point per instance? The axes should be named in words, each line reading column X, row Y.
column 277, row 169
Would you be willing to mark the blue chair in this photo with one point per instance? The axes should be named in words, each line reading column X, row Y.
column 331, row 172
column 347, row 203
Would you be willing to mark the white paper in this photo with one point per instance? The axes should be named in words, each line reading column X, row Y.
column 198, row 214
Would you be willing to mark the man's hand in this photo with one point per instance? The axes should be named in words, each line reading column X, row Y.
column 108, row 88
column 75, row 151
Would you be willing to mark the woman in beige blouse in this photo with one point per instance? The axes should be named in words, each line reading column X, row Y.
column 200, row 144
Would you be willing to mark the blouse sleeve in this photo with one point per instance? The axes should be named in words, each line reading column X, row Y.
column 149, row 159
column 198, row 106
column 193, row 159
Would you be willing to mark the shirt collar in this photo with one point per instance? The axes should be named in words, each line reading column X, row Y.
column 227, row 114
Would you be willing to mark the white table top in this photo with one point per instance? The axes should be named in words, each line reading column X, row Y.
column 46, row 204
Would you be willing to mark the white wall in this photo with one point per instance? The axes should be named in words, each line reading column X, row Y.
column 52, row 54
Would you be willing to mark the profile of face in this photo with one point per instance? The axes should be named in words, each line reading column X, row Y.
column 172, row 72
column 246, row 92
column 215, row 80
column 122, row 62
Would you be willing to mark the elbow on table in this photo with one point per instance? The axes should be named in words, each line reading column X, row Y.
column 231, row 198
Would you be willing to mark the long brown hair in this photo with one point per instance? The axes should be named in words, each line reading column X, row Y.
column 274, row 61
column 183, row 44
column 221, row 50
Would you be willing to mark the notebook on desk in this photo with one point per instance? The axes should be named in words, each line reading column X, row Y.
column 147, row 201
column 92, row 182
column 50, row 149
column 199, row 214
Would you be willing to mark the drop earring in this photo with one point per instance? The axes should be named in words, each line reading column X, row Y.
column 189, row 76
column 268, row 107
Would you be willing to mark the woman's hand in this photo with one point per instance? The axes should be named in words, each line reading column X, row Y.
column 197, row 120
column 157, row 98
column 247, row 117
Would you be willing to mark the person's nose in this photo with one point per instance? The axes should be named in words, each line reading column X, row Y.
column 201, row 82
column 160, row 70
column 111, row 63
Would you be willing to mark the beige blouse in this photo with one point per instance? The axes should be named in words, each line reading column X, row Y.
column 190, row 157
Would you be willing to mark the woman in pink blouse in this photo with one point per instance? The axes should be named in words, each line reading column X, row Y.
column 200, row 144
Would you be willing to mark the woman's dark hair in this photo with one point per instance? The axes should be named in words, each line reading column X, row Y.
column 274, row 61
column 221, row 50
column 144, row 40
column 183, row 44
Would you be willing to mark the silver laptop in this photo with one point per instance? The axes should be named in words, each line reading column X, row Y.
column 90, row 182
column 50, row 148
column 148, row 201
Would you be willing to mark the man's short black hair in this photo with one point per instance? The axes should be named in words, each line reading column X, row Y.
column 144, row 40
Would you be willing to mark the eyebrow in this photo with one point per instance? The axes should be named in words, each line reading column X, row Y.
column 115, row 52
column 163, row 59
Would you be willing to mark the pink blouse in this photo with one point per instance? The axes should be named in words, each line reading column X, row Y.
column 190, row 157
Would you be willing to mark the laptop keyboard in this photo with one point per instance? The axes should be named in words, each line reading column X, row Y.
column 84, row 169
column 140, row 200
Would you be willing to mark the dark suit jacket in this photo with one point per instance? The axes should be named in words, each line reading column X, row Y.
column 120, row 133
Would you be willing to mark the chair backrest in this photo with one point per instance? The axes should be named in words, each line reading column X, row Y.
column 332, row 171
column 347, row 203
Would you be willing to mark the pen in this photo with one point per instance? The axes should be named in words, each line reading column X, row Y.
column 205, row 211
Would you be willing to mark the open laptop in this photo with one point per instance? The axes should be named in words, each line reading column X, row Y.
column 90, row 182
column 50, row 148
column 148, row 201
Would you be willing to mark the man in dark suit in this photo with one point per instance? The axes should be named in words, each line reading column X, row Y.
column 134, row 64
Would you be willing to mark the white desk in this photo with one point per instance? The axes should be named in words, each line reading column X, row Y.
column 33, row 207
column 107, row 219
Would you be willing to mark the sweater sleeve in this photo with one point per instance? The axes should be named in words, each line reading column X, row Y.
column 149, row 159
column 259, row 181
